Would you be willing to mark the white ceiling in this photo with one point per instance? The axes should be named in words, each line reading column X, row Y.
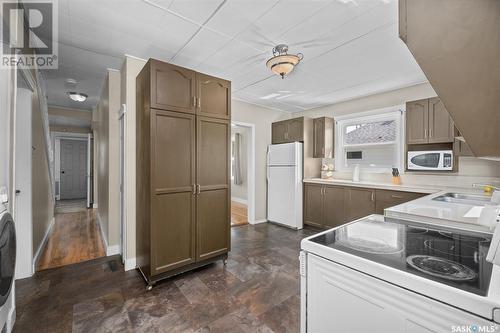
column 351, row 47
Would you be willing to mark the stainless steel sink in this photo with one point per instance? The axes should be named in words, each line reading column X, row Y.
column 466, row 199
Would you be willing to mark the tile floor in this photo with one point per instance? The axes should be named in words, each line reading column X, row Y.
column 258, row 291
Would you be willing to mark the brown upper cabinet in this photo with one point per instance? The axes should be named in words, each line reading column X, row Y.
column 213, row 96
column 323, row 144
column 179, row 89
column 289, row 130
column 427, row 121
column 173, row 88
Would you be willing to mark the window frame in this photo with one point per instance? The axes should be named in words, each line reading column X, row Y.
column 395, row 113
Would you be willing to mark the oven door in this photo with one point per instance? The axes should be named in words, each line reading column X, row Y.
column 429, row 160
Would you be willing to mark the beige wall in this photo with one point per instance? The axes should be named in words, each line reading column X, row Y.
column 130, row 68
column 372, row 102
column 470, row 169
column 106, row 126
column 42, row 196
column 262, row 118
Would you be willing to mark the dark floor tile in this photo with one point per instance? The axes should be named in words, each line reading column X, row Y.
column 258, row 291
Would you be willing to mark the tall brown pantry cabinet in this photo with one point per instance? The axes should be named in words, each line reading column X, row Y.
column 183, row 170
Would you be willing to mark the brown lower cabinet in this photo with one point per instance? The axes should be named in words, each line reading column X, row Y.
column 183, row 174
column 328, row 206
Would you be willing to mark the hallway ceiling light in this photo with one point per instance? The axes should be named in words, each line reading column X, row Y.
column 283, row 63
column 77, row 97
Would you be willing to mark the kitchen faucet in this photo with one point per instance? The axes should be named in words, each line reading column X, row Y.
column 488, row 188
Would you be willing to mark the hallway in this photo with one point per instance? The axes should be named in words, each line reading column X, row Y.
column 75, row 237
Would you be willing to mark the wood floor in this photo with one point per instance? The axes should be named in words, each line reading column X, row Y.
column 258, row 291
column 239, row 214
column 75, row 237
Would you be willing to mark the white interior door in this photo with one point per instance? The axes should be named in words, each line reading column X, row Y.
column 73, row 169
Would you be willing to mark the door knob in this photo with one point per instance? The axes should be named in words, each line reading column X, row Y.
column 18, row 191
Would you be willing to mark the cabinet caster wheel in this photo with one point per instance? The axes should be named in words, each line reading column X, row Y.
column 149, row 287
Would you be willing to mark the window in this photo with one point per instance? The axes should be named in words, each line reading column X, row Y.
column 374, row 142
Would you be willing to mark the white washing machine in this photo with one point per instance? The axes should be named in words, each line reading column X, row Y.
column 7, row 268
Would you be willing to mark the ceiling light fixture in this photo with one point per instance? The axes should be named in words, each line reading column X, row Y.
column 283, row 63
column 77, row 97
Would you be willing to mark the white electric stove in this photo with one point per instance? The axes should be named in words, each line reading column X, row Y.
column 384, row 275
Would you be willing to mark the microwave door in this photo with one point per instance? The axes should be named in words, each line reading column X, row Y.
column 426, row 161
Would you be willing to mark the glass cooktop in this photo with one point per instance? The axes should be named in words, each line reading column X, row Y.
column 453, row 257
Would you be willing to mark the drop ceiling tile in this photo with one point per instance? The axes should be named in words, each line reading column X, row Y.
column 235, row 54
column 310, row 32
column 205, row 42
column 266, row 31
column 378, row 18
column 196, row 10
column 236, row 15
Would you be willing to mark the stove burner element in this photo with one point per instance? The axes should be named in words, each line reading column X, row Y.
column 375, row 246
column 442, row 268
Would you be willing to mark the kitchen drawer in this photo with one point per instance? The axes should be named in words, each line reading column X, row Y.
column 386, row 199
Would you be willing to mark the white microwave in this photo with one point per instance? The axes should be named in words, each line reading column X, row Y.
column 435, row 160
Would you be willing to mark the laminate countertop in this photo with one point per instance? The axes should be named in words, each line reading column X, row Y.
column 375, row 185
column 425, row 209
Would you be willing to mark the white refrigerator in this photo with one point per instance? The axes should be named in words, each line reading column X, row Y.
column 284, row 184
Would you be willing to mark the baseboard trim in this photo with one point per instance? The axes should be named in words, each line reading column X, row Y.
column 102, row 232
column 42, row 244
column 130, row 264
column 239, row 200
column 258, row 221
column 112, row 250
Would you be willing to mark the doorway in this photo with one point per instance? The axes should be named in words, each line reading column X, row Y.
column 242, row 173
column 73, row 177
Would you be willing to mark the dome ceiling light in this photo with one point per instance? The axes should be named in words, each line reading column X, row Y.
column 77, row 97
column 283, row 63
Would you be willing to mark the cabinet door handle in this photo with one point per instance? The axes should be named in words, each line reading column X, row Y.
column 373, row 196
column 194, row 101
column 430, row 133
column 199, row 102
column 425, row 133
column 194, row 189
column 199, row 188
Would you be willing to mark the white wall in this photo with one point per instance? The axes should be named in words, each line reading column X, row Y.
column 106, row 129
column 129, row 71
column 372, row 102
column 262, row 118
